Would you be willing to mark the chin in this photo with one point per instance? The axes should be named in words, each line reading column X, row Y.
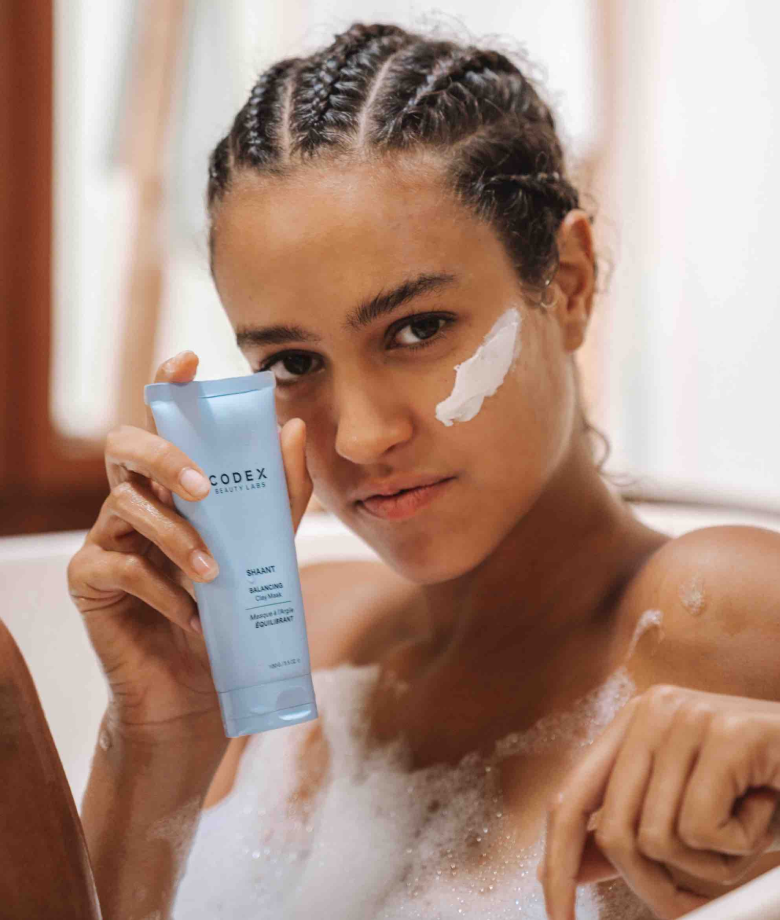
column 438, row 565
column 421, row 558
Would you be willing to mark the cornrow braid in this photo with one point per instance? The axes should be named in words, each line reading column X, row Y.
column 454, row 69
column 345, row 66
column 550, row 184
column 256, row 139
column 447, row 94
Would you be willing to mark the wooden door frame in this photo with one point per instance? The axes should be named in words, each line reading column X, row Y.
column 47, row 481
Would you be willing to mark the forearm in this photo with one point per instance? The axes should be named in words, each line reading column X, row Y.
column 140, row 812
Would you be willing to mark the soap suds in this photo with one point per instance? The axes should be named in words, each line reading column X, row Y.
column 178, row 829
column 104, row 739
column 377, row 840
column 648, row 619
column 579, row 726
column 692, row 595
column 485, row 370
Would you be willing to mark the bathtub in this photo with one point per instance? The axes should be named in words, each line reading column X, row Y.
column 48, row 631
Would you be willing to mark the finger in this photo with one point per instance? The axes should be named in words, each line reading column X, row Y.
column 773, row 834
column 130, row 450
column 616, row 833
column 157, row 557
column 103, row 572
column 657, row 837
column 622, row 808
column 163, row 494
column 756, row 812
column 299, row 483
column 569, row 812
column 177, row 539
column 733, row 759
column 180, row 368
column 594, row 867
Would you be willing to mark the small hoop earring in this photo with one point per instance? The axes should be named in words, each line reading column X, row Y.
column 543, row 303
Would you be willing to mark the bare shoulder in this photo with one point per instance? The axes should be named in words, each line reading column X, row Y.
column 354, row 610
column 718, row 593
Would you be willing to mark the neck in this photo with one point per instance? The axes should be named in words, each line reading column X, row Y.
column 549, row 583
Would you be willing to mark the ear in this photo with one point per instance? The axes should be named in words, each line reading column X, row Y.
column 575, row 278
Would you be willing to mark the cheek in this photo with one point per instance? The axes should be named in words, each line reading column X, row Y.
column 481, row 376
column 515, row 437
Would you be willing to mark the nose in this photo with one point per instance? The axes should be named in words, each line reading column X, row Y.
column 369, row 423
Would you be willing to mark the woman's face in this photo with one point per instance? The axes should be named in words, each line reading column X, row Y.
column 304, row 253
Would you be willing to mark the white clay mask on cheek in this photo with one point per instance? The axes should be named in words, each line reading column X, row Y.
column 485, row 370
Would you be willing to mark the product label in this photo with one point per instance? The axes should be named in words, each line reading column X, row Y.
column 284, row 615
column 238, row 480
column 266, row 598
column 281, row 664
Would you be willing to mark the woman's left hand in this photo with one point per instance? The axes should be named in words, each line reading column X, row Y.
column 664, row 778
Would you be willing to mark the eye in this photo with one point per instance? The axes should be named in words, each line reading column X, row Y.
column 298, row 363
column 429, row 319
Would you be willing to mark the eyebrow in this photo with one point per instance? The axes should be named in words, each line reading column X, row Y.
column 358, row 318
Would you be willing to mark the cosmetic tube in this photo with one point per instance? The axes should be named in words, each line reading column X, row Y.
column 252, row 612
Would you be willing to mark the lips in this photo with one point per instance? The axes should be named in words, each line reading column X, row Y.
column 407, row 503
column 396, row 486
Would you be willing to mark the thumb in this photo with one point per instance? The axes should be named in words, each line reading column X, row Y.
column 594, row 866
column 299, row 482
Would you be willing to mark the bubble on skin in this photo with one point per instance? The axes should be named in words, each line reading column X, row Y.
column 178, row 829
column 104, row 739
column 692, row 595
column 483, row 373
column 376, row 840
column 648, row 619
column 393, row 682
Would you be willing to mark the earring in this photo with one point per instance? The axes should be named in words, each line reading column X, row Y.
column 543, row 303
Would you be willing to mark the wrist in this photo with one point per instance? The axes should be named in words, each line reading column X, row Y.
column 196, row 730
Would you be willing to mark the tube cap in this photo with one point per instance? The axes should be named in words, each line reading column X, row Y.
column 274, row 704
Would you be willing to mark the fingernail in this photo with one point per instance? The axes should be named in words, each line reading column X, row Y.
column 205, row 565
column 194, row 482
column 195, row 624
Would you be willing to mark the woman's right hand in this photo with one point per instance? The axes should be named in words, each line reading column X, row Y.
column 132, row 580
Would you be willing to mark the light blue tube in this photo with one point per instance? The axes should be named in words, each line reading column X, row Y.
column 252, row 612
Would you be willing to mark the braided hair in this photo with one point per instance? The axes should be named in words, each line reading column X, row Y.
column 379, row 90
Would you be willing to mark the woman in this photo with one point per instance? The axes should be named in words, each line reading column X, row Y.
column 394, row 236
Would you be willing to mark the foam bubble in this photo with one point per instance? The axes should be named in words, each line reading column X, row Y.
column 692, row 595
column 178, row 830
column 648, row 619
column 378, row 840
